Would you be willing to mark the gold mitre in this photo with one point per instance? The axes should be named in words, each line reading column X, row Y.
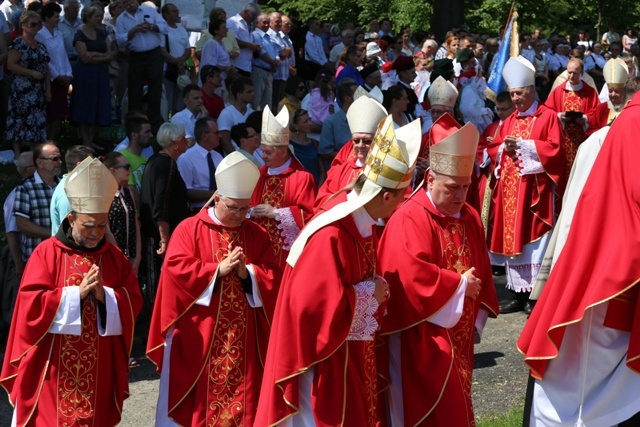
column 236, row 176
column 392, row 157
column 615, row 72
column 442, row 92
column 519, row 72
column 365, row 114
column 454, row 152
column 90, row 187
column 275, row 131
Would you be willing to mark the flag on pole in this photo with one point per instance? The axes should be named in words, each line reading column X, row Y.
column 510, row 47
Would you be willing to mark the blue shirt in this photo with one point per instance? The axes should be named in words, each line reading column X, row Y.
column 268, row 47
column 351, row 72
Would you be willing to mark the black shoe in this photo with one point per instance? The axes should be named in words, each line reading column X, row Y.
column 498, row 270
column 512, row 306
column 528, row 307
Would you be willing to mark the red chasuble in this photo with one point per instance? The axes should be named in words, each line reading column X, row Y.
column 585, row 101
column 601, row 258
column 217, row 350
column 523, row 206
column 295, row 188
column 600, row 117
column 313, row 318
column 337, row 178
column 70, row 380
column 344, row 155
column 422, row 254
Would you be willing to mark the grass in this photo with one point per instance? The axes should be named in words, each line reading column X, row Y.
column 512, row 418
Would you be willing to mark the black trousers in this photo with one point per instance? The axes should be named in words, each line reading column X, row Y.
column 146, row 66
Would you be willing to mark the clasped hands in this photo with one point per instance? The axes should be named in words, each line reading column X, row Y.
column 234, row 261
column 92, row 284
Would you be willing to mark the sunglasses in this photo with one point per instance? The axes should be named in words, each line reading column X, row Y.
column 126, row 167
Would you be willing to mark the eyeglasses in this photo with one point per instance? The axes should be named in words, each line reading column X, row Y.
column 126, row 167
column 52, row 159
column 32, row 24
column 438, row 112
column 365, row 141
column 501, row 109
column 243, row 210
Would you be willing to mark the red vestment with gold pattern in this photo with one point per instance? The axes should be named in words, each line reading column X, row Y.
column 293, row 191
column 72, row 380
column 338, row 177
column 600, row 117
column 422, row 255
column 345, row 154
column 216, row 349
column 600, row 261
column 585, row 101
column 313, row 318
column 523, row 205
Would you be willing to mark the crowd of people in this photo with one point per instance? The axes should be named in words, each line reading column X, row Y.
column 314, row 241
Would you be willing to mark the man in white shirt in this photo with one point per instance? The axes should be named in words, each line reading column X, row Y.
column 193, row 110
column 198, row 165
column 242, row 92
column 240, row 24
column 68, row 26
column 140, row 30
column 313, row 50
column 348, row 37
column 175, row 52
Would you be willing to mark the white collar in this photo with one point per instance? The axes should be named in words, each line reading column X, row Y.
column 364, row 221
column 280, row 169
column 359, row 163
column 529, row 110
column 434, row 205
column 212, row 214
column 575, row 88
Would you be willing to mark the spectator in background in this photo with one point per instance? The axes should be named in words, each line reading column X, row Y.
column 214, row 51
column 163, row 203
column 322, row 96
column 240, row 24
column 139, row 134
column 335, row 130
column 285, row 52
column 60, row 72
column 30, row 86
column 176, row 50
column 91, row 97
column 33, row 198
column 294, row 91
column 26, row 169
column 123, row 219
column 353, row 62
column 9, row 7
column 264, row 64
column 60, row 207
column 198, row 165
column 193, row 110
column 305, row 148
column 248, row 140
column 237, row 112
column 68, row 26
column 314, row 51
column 211, row 79
column 395, row 51
column 230, row 42
column 140, row 30
column 348, row 39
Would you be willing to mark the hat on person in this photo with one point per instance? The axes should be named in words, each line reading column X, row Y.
column 615, row 72
column 442, row 67
column 236, row 176
column 464, row 55
column 519, row 72
column 389, row 164
column 403, row 63
column 90, row 187
column 373, row 49
column 275, row 130
column 369, row 69
column 442, row 92
column 374, row 93
column 454, row 149
column 364, row 115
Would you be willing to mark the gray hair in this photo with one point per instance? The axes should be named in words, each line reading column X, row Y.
column 430, row 43
column 89, row 11
column 348, row 32
column 253, row 8
column 170, row 132
column 25, row 159
column 263, row 16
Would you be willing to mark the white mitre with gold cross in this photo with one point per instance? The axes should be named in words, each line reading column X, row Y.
column 90, row 187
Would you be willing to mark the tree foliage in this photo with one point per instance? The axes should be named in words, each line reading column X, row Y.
column 486, row 16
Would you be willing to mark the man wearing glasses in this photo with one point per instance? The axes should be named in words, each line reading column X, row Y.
column 216, row 298
column 33, row 198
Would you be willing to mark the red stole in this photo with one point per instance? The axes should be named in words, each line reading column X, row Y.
column 338, row 177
